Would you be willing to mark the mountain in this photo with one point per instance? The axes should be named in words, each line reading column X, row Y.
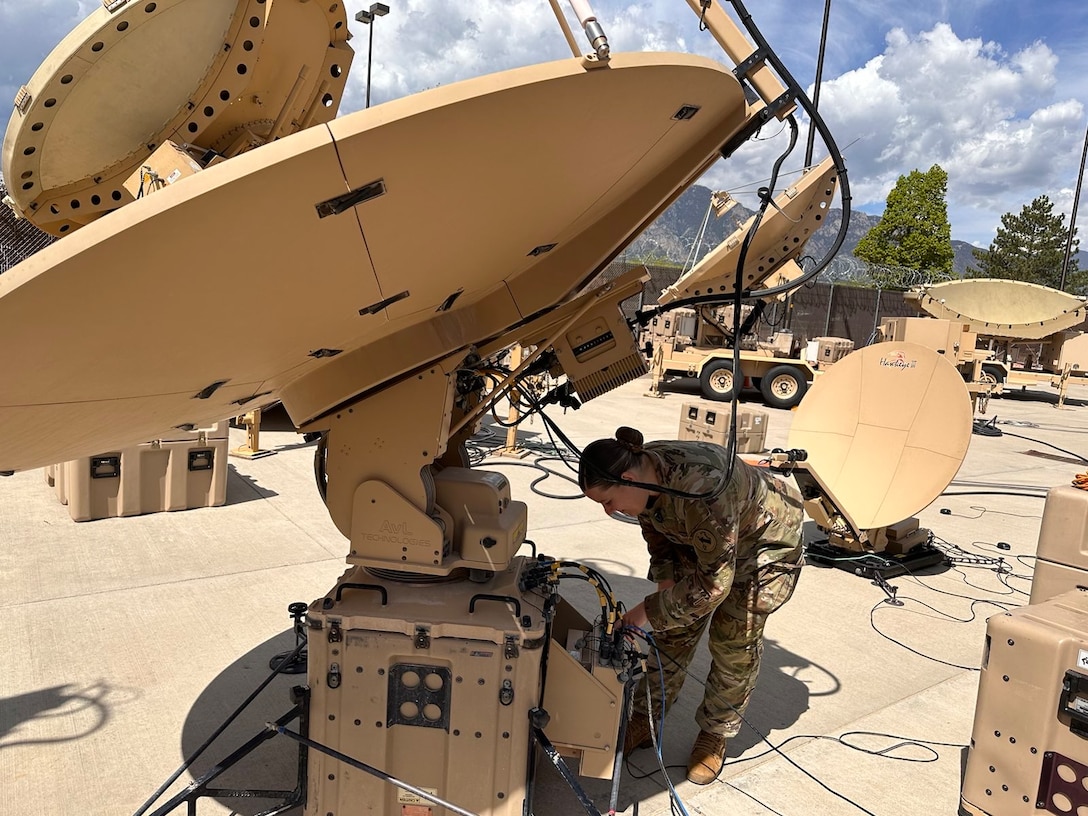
column 670, row 238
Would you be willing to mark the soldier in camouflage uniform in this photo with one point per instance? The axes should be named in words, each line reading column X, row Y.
column 724, row 555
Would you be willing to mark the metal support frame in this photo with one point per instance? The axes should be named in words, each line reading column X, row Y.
column 200, row 788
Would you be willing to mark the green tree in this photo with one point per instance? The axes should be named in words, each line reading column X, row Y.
column 913, row 238
column 1031, row 247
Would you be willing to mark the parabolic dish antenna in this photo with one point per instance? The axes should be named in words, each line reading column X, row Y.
column 1002, row 308
column 799, row 211
column 222, row 75
column 363, row 250
column 886, row 430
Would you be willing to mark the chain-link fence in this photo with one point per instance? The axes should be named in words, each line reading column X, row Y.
column 819, row 309
column 19, row 239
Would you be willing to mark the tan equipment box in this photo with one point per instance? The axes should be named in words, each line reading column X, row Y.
column 830, row 350
column 704, row 422
column 1029, row 744
column 1062, row 562
column 182, row 473
column 169, row 163
column 676, row 323
column 432, row 679
column 1065, row 348
column 953, row 340
column 430, row 683
column 781, row 343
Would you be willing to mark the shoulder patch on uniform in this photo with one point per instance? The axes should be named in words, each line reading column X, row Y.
column 704, row 541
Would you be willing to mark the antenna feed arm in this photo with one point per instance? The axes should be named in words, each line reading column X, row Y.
column 594, row 32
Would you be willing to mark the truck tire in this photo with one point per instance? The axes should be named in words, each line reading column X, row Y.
column 997, row 372
column 716, row 380
column 783, row 387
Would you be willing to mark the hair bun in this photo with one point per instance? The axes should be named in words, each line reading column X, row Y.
column 630, row 438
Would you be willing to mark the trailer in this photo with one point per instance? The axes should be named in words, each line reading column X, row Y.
column 691, row 331
column 984, row 326
column 780, row 371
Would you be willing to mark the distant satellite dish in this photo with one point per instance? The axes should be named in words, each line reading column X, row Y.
column 1003, row 308
column 886, row 430
column 221, row 75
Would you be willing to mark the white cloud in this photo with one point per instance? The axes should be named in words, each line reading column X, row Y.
column 1007, row 124
column 421, row 44
column 990, row 119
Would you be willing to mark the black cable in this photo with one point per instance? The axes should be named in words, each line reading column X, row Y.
column 983, row 510
column 649, row 638
column 882, row 603
column 370, row 769
column 1000, row 573
column 535, row 465
column 999, row 562
column 676, row 805
column 1041, row 442
column 1005, row 581
column 321, row 476
column 759, row 802
column 991, row 493
column 1003, row 606
column 818, row 122
column 997, row 485
column 885, row 753
column 1049, row 426
column 711, row 494
column 766, row 196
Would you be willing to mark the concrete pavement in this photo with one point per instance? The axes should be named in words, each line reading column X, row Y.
column 127, row 641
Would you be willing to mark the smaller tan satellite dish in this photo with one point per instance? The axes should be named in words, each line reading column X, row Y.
column 1002, row 308
column 797, row 213
column 886, row 430
column 219, row 75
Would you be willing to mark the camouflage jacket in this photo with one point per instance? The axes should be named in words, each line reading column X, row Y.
column 701, row 544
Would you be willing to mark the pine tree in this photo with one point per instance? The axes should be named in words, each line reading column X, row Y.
column 912, row 243
column 1031, row 247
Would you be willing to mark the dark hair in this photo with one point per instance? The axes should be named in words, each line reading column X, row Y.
column 603, row 462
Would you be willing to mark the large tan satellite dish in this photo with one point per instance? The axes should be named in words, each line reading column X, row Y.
column 1002, row 308
column 223, row 75
column 886, row 429
column 373, row 252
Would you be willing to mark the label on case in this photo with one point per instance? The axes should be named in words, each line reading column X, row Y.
column 408, row 798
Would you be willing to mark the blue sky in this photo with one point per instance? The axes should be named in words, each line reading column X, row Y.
column 994, row 91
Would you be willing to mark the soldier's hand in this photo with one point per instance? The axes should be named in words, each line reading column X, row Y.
column 636, row 616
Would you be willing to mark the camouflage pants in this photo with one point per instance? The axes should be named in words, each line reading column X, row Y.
column 735, row 643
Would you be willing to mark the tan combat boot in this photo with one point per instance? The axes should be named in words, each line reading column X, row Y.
column 707, row 758
column 638, row 734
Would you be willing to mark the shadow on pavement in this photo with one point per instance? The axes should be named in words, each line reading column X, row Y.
column 273, row 765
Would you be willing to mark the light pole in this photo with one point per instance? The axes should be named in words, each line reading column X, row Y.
column 367, row 18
